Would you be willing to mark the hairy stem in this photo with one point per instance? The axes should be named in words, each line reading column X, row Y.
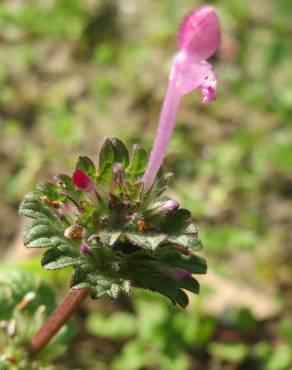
column 164, row 130
column 58, row 318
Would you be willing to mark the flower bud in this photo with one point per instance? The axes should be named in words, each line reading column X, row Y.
column 82, row 181
column 166, row 206
column 169, row 206
column 84, row 248
column 117, row 168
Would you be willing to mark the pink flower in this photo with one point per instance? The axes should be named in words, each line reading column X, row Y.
column 199, row 38
column 82, row 181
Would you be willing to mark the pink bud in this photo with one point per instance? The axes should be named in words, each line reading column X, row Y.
column 82, row 181
column 84, row 248
column 118, row 173
column 117, row 168
column 58, row 212
column 67, row 208
column 170, row 205
column 199, row 34
column 166, row 206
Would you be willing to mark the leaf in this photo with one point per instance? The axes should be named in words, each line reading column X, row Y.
column 89, row 217
column 163, row 284
column 80, row 285
column 180, row 230
column 114, row 291
column 137, row 164
column 60, row 257
column 86, row 165
column 51, row 191
column 67, row 186
column 99, row 283
column 97, row 292
column 187, row 241
column 33, row 207
column 113, row 150
column 176, row 220
column 192, row 263
column 190, row 284
column 159, row 185
column 146, row 240
column 121, row 153
column 195, row 245
column 109, row 237
column 79, row 278
column 106, row 158
column 181, row 298
column 38, row 234
column 102, row 286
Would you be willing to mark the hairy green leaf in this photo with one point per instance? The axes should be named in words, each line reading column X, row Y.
column 67, row 186
column 86, row 165
column 187, row 241
column 38, row 234
column 51, row 191
column 137, row 164
column 33, row 207
column 146, row 240
column 190, row 284
column 113, row 150
column 109, row 237
column 60, row 257
column 194, row 264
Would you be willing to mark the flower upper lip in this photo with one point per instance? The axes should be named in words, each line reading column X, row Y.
column 199, row 33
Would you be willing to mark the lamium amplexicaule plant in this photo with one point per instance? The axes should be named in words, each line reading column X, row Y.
column 113, row 224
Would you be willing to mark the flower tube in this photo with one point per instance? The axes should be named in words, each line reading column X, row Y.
column 199, row 38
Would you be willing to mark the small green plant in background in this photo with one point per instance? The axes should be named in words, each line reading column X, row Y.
column 25, row 304
column 155, row 333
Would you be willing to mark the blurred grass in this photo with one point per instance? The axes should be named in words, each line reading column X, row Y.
column 72, row 72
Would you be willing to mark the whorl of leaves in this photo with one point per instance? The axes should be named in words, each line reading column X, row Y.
column 133, row 238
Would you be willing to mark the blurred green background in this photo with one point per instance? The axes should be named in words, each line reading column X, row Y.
column 72, row 72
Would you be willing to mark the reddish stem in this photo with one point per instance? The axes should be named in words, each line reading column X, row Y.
column 57, row 319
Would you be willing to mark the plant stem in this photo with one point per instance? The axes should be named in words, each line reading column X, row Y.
column 57, row 319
